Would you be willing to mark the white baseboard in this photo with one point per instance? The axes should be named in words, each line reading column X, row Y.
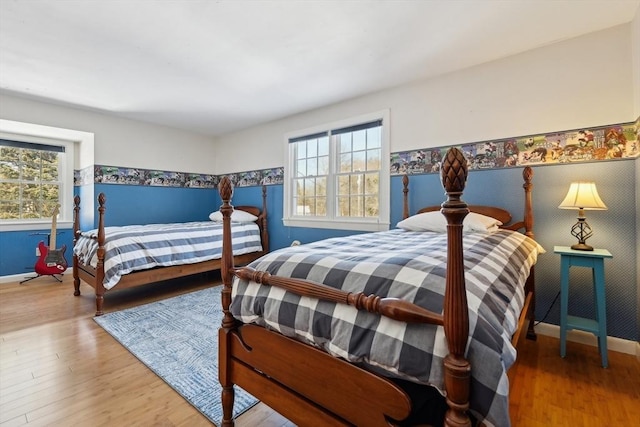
column 613, row 343
column 21, row 277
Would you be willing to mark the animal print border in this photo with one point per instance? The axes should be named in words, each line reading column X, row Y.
column 136, row 176
column 580, row 145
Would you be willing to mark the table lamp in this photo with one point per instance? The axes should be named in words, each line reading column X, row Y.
column 582, row 196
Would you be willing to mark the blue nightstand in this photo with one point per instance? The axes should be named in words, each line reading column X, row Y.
column 598, row 326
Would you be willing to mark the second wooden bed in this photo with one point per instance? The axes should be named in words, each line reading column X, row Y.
column 311, row 387
column 95, row 275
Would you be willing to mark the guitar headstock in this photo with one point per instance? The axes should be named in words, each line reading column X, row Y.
column 56, row 210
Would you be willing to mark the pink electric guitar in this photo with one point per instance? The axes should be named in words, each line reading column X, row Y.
column 51, row 260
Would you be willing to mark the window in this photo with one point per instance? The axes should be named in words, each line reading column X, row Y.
column 34, row 178
column 338, row 177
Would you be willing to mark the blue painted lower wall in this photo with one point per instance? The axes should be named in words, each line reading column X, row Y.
column 614, row 229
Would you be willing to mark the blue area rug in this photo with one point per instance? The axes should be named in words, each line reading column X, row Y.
column 177, row 338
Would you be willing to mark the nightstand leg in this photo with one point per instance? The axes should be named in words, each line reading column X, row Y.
column 601, row 310
column 564, row 304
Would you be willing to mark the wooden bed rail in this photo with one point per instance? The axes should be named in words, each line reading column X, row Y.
column 455, row 318
column 392, row 308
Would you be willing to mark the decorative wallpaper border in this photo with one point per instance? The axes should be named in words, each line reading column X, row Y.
column 609, row 142
column 155, row 178
column 579, row 145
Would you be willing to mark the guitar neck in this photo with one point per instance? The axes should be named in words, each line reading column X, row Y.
column 54, row 223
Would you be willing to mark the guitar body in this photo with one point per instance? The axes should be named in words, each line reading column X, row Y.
column 51, row 261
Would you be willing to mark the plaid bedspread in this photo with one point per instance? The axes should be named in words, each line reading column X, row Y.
column 140, row 247
column 410, row 266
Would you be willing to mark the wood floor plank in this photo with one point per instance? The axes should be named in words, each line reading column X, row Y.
column 59, row 368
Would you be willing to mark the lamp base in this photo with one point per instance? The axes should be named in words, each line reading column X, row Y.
column 582, row 247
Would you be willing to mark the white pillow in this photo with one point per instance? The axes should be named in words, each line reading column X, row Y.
column 435, row 221
column 236, row 216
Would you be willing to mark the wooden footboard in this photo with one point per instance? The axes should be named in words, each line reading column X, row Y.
column 95, row 276
column 267, row 366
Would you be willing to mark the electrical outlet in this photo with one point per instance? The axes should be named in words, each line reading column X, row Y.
column 37, row 251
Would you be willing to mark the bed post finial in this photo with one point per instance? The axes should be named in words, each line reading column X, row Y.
column 453, row 174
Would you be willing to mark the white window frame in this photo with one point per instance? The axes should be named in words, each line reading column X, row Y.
column 331, row 222
column 74, row 142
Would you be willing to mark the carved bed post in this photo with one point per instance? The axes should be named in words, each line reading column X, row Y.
column 456, row 314
column 76, row 230
column 100, row 290
column 225, row 188
column 405, row 196
column 527, row 176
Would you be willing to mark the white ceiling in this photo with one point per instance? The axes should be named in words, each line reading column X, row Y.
column 215, row 67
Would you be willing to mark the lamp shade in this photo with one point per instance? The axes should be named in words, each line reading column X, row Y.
column 583, row 195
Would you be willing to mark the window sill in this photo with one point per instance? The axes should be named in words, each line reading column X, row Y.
column 337, row 225
column 30, row 226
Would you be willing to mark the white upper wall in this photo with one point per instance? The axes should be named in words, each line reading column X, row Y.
column 581, row 82
column 118, row 141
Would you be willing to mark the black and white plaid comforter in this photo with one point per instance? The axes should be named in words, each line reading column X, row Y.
column 140, row 247
column 410, row 266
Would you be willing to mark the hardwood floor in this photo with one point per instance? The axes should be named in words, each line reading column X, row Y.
column 59, row 368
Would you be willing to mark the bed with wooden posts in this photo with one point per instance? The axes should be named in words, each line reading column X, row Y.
column 101, row 260
column 283, row 337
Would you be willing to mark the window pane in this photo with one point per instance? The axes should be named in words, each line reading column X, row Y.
column 343, row 206
column 344, row 142
column 9, row 209
column 321, row 206
column 30, row 170
column 373, row 160
column 309, row 187
column 323, row 165
column 50, row 195
column 359, row 161
column 49, row 169
column 301, row 169
column 48, row 207
column 302, row 208
column 323, row 146
column 299, row 185
column 9, row 191
column 9, row 154
column 372, row 183
column 345, row 162
column 374, row 137
column 8, row 169
column 301, row 151
column 312, row 148
column 359, row 140
column 321, row 186
column 371, row 206
column 31, row 209
column 343, row 185
column 357, row 184
column 357, row 205
column 312, row 166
